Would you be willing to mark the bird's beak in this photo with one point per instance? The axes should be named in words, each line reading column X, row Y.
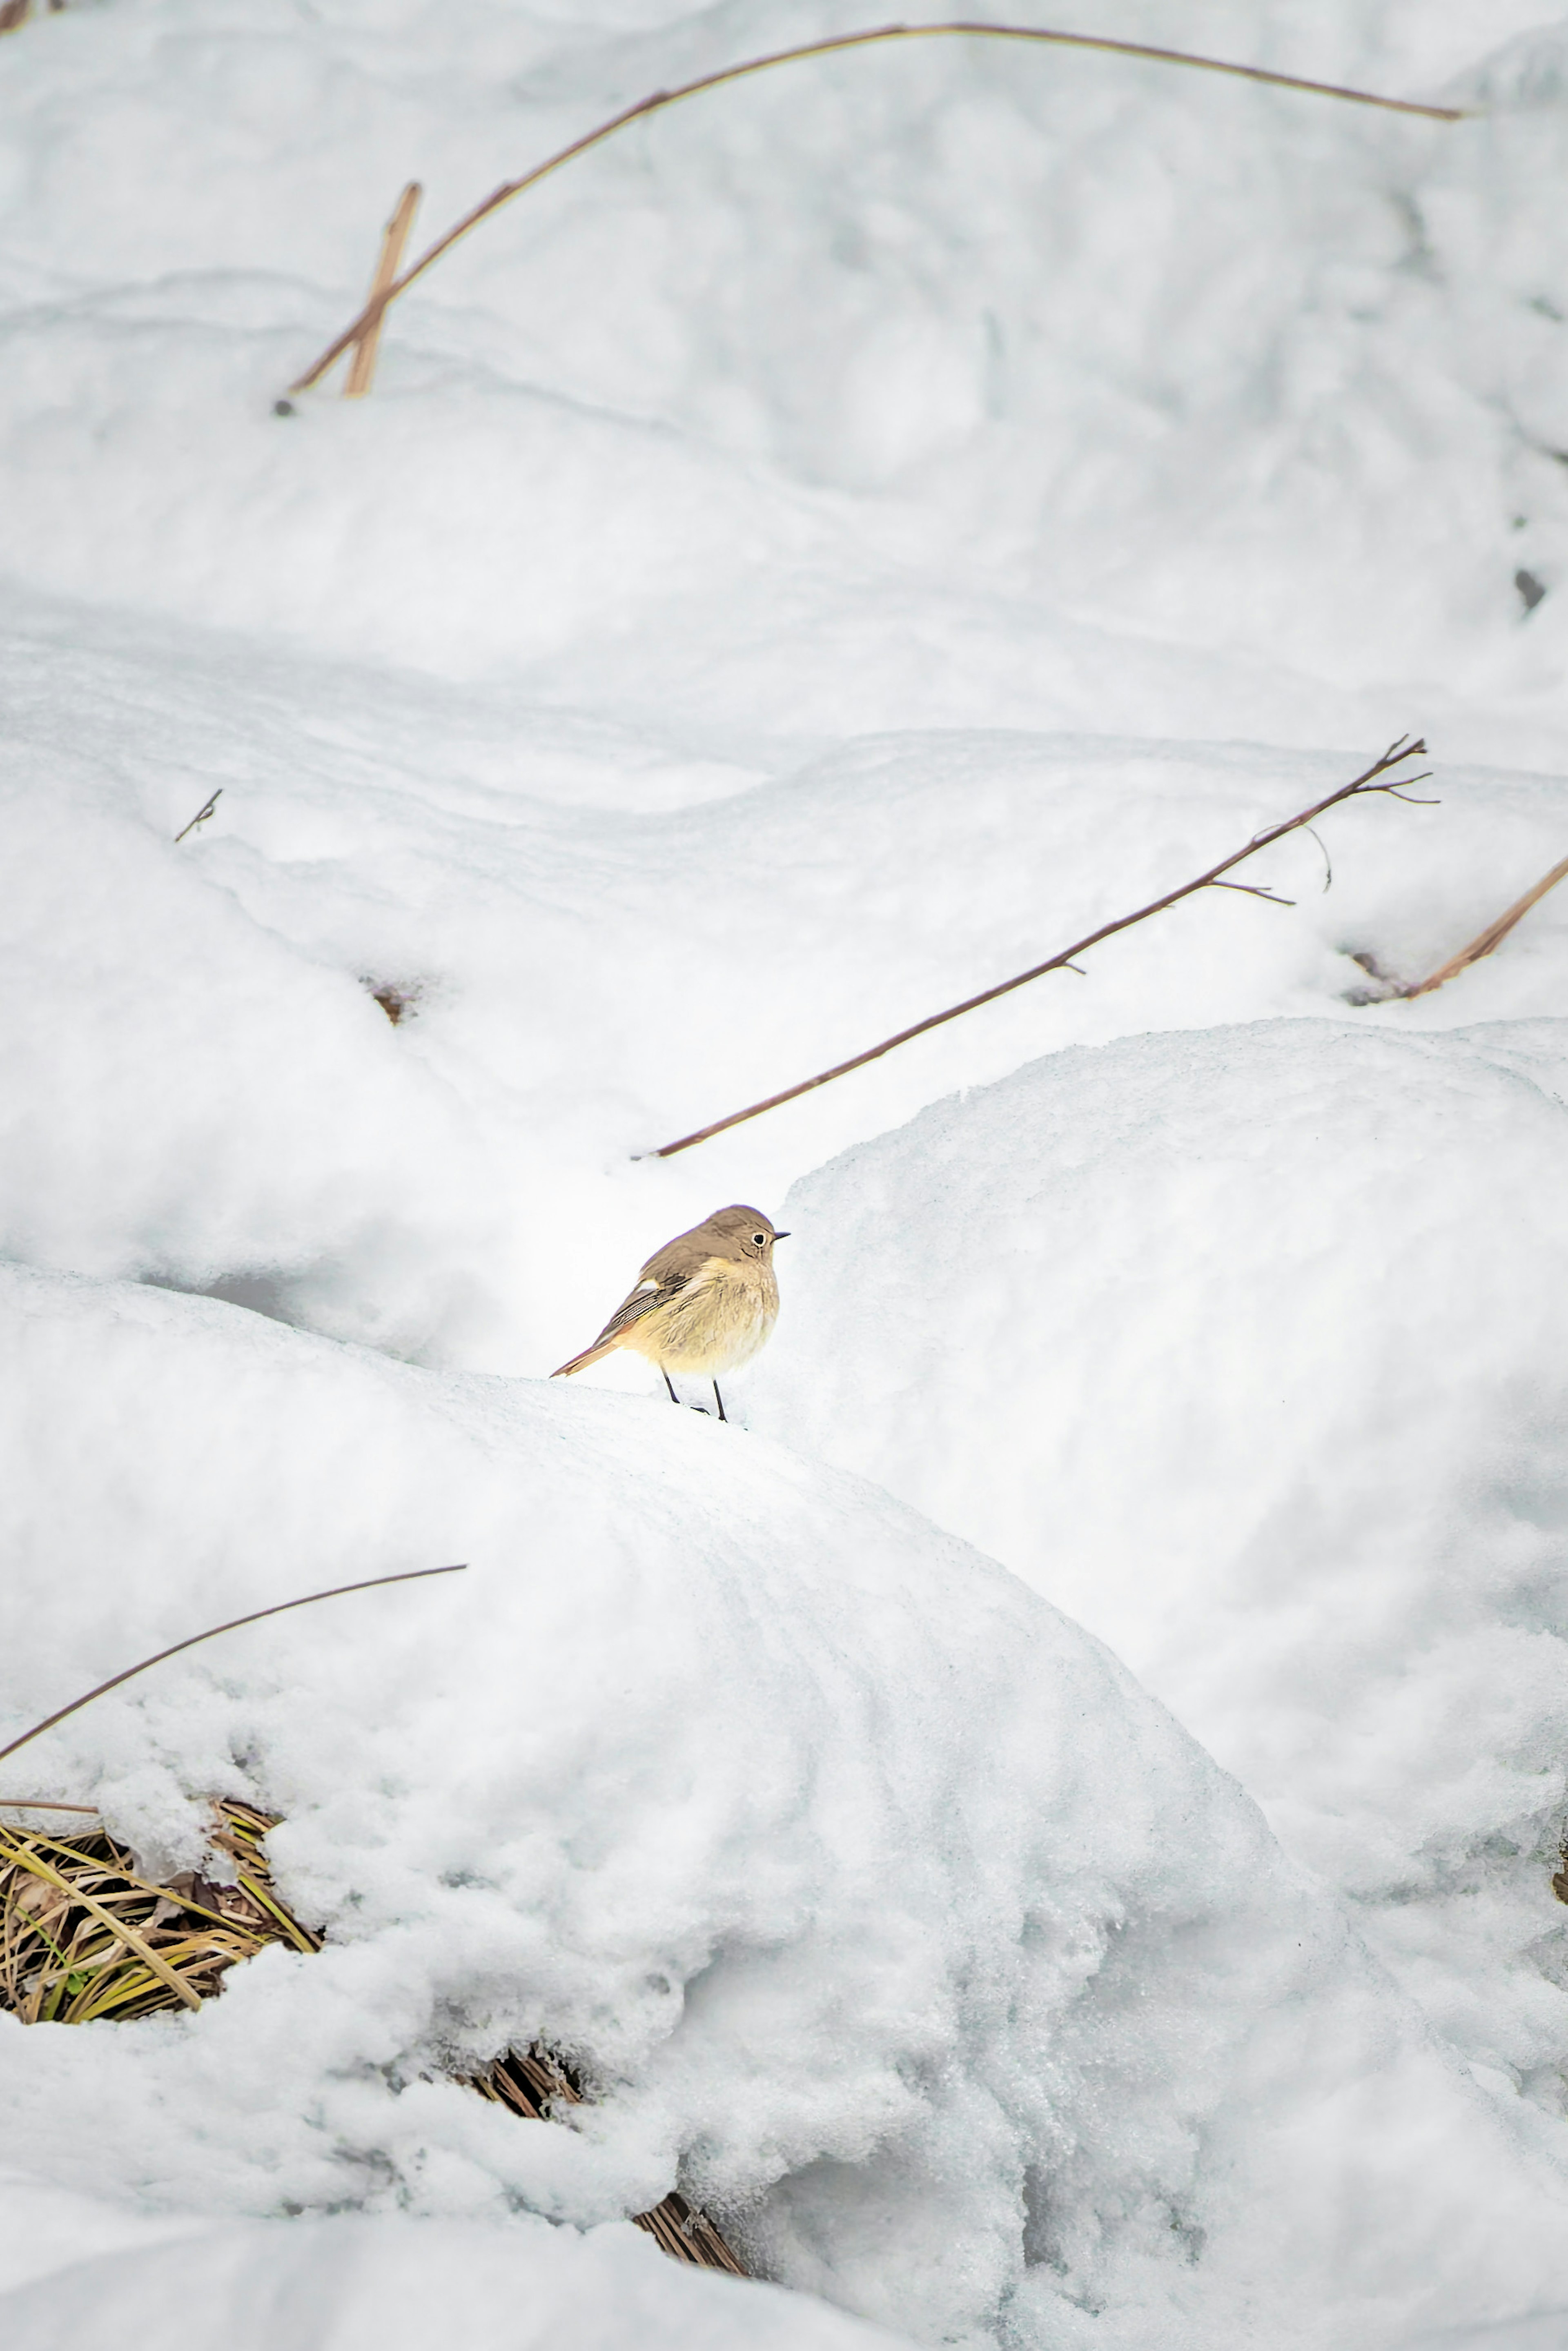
column 780, row 1236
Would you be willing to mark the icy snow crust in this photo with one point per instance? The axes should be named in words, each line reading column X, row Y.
column 821, row 554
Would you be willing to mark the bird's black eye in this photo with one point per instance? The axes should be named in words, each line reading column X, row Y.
column 759, row 1239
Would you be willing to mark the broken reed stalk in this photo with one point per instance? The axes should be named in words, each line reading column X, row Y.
column 1492, row 937
column 280, row 1608
column 394, row 237
column 1365, row 787
column 368, row 323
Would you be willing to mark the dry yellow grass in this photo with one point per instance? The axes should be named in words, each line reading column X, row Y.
column 84, row 1936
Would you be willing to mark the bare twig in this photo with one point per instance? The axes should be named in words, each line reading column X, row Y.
column 370, row 316
column 411, row 1575
column 394, row 237
column 200, row 816
column 1492, row 937
column 1365, row 787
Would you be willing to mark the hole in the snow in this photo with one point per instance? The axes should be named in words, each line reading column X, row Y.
column 1382, row 984
column 399, row 999
column 259, row 1293
column 1531, row 588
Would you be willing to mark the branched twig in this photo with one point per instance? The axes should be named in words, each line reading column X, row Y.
column 368, row 319
column 1363, row 787
column 200, row 816
column 411, row 1575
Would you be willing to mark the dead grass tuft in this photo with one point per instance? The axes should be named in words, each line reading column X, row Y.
column 83, row 1936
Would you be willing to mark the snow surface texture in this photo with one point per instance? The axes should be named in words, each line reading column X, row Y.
column 359, row 2284
column 886, row 1911
column 824, row 552
column 1258, row 1376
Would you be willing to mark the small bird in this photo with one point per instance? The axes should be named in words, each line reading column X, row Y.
column 705, row 1302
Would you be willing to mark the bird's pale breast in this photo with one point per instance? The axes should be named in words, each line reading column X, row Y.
column 716, row 1323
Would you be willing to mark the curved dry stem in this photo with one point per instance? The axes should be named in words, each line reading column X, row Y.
column 370, row 318
column 281, row 1608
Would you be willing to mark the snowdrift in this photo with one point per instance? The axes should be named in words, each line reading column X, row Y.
column 608, row 937
column 385, row 2285
column 1245, row 1348
column 882, row 1907
column 862, row 392
column 813, row 559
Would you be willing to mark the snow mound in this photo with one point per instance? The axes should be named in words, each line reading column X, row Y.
column 608, row 937
column 387, row 2283
column 881, row 1908
column 1547, row 2331
column 912, row 327
column 1245, row 1348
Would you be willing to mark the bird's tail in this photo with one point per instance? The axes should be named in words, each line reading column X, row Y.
column 590, row 1355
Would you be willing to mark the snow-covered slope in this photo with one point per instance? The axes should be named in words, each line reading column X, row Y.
column 390, row 2283
column 826, row 549
column 888, row 1913
column 1245, row 1348
column 934, row 327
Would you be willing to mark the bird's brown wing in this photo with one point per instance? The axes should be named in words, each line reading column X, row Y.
column 641, row 1301
column 650, row 1293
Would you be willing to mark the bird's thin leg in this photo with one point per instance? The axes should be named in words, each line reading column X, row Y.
column 719, row 1401
column 669, row 1384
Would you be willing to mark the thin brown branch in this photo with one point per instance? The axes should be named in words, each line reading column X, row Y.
column 370, row 316
column 42, row 1804
column 394, row 237
column 1365, row 787
column 1492, row 937
column 281, row 1608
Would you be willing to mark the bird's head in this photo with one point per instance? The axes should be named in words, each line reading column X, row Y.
column 745, row 1232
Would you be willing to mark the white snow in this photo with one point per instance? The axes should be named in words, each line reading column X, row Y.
column 843, row 540
column 885, row 1909
column 1241, row 1348
column 362, row 2285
